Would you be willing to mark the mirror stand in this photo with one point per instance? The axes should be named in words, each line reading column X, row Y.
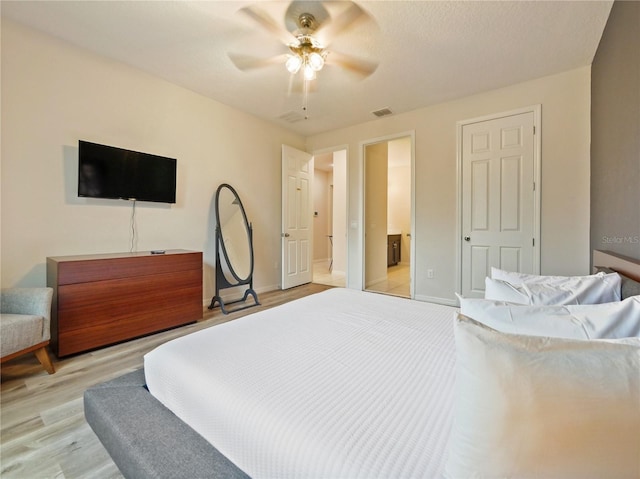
column 223, row 283
column 234, row 249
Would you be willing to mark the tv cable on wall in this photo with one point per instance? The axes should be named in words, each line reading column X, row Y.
column 133, row 227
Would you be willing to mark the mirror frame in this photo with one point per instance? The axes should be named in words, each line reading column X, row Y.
column 248, row 229
column 222, row 279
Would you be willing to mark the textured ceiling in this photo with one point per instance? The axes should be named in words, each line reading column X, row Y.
column 428, row 51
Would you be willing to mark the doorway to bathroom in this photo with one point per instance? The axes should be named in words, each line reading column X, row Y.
column 388, row 216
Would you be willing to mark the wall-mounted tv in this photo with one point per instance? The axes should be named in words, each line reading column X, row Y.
column 110, row 172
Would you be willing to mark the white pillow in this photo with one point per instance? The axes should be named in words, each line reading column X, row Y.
column 619, row 319
column 581, row 290
column 514, row 277
column 534, row 407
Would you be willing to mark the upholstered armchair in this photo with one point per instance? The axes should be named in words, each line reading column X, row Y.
column 25, row 319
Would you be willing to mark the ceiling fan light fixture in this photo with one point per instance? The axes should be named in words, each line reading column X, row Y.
column 309, row 72
column 293, row 64
column 316, row 62
column 307, row 55
column 305, row 21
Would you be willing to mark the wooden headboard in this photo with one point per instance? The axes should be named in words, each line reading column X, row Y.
column 621, row 264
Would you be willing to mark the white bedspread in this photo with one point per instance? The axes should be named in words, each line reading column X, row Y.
column 340, row 384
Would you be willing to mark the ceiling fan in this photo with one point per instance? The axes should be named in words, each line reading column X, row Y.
column 306, row 33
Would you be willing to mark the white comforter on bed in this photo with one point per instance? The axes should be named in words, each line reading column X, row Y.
column 340, row 384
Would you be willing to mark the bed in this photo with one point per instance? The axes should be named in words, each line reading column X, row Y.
column 343, row 383
column 316, row 387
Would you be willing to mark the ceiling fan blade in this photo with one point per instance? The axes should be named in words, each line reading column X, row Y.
column 360, row 67
column 268, row 23
column 347, row 19
column 247, row 62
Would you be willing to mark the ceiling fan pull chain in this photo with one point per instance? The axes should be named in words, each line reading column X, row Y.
column 305, row 98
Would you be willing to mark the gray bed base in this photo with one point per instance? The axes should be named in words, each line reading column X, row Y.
column 145, row 439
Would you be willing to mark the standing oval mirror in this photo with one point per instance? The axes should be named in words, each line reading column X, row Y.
column 235, row 235
column 234, row 247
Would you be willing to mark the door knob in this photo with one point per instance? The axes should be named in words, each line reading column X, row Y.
column 467, row 238
column 286, row 235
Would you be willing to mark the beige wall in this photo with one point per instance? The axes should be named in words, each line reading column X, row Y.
column 54, row 94
column 375, row 214
column 565, row 100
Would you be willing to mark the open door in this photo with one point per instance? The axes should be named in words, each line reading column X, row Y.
column 297, row 219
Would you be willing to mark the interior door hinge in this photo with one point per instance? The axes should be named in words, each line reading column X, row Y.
column 533, row 242
column 534, row 129
column 534, row 186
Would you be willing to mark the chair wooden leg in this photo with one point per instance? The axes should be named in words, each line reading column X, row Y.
column 45, row 360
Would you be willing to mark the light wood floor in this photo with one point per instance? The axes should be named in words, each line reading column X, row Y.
column 43, row 433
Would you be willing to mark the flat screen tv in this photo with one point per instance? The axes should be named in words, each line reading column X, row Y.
column 110, row 172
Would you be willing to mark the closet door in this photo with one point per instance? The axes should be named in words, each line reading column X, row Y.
column 498, row 199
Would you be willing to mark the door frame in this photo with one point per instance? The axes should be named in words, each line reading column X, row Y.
column 537, row 145
column 361, row 148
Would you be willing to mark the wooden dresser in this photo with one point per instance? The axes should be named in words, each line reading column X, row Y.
column 108, row 298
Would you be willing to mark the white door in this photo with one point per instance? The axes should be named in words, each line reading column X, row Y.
column 498, row 199
column 297, row 248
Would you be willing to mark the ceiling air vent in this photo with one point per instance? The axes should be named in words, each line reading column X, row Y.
column 291, row 117
column 382, row 112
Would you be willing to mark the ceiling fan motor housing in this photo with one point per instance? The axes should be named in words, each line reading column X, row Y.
column 307, row 22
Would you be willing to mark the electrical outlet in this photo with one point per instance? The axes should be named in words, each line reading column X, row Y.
column 430, row 274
